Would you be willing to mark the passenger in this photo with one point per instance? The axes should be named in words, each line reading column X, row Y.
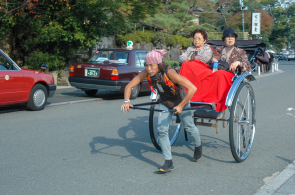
column 233, row 55
column 200, row 50
column 214, row 87
column 173, row 97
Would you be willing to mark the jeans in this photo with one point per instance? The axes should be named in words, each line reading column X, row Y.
column 163, row 126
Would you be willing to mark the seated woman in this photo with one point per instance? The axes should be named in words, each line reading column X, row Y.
column 200, row 50
column 233, row 55
column 214, row 87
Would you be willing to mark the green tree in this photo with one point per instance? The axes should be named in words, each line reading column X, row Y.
column 172, row 18
column 58, row 28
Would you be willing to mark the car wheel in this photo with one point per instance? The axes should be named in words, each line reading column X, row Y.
column 134, row 92
column 38, row 97
column 91, row 93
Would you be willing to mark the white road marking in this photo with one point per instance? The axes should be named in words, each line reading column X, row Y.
column 73, row 102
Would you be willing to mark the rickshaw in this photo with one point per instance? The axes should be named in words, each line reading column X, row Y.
column 240, row 101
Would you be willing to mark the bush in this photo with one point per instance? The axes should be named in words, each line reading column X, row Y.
column 171, row 63
column 122, row 40
column 37, row 58
column 215, row 36
column 146, row 36
column 151, row 36
column 183, row 41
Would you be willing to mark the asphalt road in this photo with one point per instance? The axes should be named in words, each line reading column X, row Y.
column 92, row 148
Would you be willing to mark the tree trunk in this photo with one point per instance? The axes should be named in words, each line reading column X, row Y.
column 90, row 52
column 143, row 29
column 134, row 28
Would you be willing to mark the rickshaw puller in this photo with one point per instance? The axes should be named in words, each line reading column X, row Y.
column 170, row 86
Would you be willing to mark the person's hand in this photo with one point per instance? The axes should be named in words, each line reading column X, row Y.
column 187, row 59
column 234, row 65
column 125, row 107
column 214, row 59
column 178, row 109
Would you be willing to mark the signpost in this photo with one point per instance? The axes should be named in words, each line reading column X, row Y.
column 256, row 23
column 129, row 45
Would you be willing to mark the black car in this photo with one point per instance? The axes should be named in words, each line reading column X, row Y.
column 282, row 57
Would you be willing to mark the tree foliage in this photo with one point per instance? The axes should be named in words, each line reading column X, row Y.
column 52, row 30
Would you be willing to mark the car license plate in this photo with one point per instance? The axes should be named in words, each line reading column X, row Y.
column 91, row 72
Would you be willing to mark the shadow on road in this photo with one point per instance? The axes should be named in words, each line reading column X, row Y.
column 136, row 145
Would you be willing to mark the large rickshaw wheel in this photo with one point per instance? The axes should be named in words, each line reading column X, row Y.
column 173, row 131
column 242, row 122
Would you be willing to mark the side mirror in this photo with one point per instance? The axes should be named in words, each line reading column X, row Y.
column 44, row 67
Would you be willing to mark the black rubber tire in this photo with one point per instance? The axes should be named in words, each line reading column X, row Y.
column 38, row 98
column 134, row 92
column 91, row 93
column 244, row 121
column 153, row 131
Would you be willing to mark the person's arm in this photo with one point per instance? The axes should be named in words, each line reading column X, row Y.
column 184, row 82
column 205, row 54
column 184, row 57
column 134, row 82
column 241, row 62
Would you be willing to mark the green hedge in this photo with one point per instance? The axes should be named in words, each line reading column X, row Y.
column 154, row 37
column 35, row 59
column 171, row 63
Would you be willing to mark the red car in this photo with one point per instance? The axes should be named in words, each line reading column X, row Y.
column 109, row 69
column 19, row 85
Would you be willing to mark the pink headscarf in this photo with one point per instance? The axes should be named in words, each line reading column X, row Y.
column 155, row 56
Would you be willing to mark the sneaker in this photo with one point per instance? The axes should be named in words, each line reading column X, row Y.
column 198, row 152
column 168, row 166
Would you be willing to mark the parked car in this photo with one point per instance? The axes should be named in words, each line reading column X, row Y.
column 19, row 85
column 109, row 69
column 291, row 56
column 282, row 57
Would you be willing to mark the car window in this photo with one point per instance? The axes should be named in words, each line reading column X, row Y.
column 140, row 59
column 5, row 64
column 120, row 57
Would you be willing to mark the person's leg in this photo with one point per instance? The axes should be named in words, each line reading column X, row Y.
column 189, row 126
column 163, row 125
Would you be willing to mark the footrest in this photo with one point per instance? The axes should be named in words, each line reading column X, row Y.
column 206, row 113
column 203, row 114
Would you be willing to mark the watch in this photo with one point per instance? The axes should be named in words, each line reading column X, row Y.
column 127, row 100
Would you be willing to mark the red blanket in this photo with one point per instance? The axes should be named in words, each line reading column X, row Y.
column 211, row 87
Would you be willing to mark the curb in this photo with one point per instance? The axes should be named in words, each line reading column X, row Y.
column 278, row 181
column 268, row 74
column 63, row 87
